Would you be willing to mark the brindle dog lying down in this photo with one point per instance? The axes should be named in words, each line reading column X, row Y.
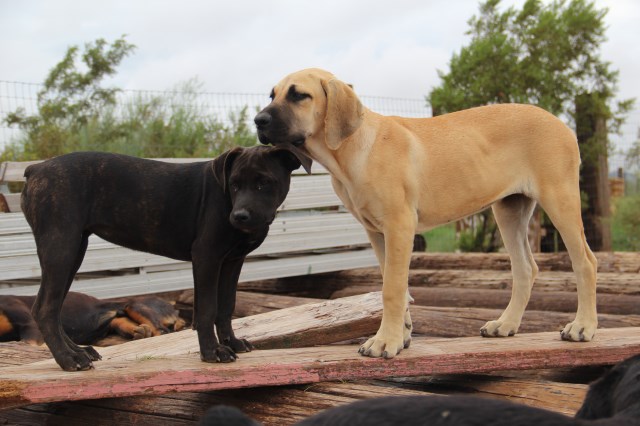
column 212, row 213
column 87, row 320
column 612, row 400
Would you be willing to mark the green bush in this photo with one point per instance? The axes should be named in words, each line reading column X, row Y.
column 626, row 224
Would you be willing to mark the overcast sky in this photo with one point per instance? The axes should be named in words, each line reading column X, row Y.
column 385, row 48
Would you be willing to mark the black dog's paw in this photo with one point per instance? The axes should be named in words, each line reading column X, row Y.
column 221, row 353
column 74, row 361
column 239, row 345
column 91, row 353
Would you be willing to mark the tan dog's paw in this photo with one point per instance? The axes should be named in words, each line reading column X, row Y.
column 379, row 346
column 499, row 328
column 142, row 331
column 579, row 331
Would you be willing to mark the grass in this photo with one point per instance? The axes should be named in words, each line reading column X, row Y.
column 442, row 239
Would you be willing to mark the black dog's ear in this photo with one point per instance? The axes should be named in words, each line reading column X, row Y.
column 293, row 157
column 222, row 165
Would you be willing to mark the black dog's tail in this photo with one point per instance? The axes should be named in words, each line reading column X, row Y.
column 228, row 416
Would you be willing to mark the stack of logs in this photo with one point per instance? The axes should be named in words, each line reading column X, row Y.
column 455, row 294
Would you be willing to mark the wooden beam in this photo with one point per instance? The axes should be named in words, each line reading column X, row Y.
column 608, row 282
column 462, row 322
column 607, row 261
column 564, row 398
column 555, row 301
column 137, row 374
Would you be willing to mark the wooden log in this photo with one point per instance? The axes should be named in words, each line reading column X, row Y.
column 45, row 382
column 555, row 301
column 608, row 282
column 621, row 262
column 250, row 303
column 564, row 398
column 461, row 322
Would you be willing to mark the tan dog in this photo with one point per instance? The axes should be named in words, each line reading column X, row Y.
column 402, row 175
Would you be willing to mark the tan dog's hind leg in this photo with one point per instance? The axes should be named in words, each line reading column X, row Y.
column 398, row 244
column 563, row 208
column 512, row 216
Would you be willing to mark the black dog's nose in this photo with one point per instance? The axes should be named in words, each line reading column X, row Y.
column 241, row 216
column 262, row 119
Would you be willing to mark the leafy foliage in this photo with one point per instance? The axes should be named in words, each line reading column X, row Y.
column 76, row 113
column 543, row 55
column 626, row 223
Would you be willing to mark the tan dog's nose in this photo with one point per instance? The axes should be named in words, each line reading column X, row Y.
column 263, row 119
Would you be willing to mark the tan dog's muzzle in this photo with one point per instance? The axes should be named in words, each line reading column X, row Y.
column 273, row 130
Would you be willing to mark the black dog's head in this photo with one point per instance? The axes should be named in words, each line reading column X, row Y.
column 257, row 180
column 618, row 390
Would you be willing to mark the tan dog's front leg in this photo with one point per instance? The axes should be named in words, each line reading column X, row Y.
column 393, row 334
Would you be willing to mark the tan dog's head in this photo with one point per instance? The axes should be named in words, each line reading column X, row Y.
column 308, row 106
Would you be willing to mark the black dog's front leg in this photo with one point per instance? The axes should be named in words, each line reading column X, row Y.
column 227, row 286
column 206, row 277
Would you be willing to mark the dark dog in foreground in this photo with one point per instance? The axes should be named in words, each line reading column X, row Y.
column 86, row 319
column 211, row 213
column 612, row 400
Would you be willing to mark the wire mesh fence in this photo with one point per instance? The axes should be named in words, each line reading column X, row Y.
column 223, row 107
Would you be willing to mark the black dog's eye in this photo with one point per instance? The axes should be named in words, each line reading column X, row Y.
column 234, row 187
column 263, row 183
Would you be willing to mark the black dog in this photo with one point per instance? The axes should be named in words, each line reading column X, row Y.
column 86, row 319
column 210, row 213
column 613, row 400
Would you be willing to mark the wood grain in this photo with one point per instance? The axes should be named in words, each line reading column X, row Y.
column 135, row 375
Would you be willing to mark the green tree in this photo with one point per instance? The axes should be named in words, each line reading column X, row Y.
column 70, row 97
column 543, row 54
column 76, row 113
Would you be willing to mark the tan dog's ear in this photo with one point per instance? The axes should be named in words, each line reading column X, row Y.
column 344, row 112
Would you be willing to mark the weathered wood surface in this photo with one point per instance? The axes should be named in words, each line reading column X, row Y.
column 563, row 398
column 18, row 353
column 627, row 262
column 278, row 405
column 462, row 322
column 137, row 373
column 608, row 282
column 250, row 303
column 555, row 301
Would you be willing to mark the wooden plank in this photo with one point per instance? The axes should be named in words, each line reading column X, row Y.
column 608, row 282
column 461, row 322
column 43, row 382
column 555, row 301
column 18, row 353
column 249, row 303
column 564, row 398
column 607, row 261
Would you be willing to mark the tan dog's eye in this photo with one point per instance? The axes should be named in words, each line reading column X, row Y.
column 272, row 94
column 294, row 96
